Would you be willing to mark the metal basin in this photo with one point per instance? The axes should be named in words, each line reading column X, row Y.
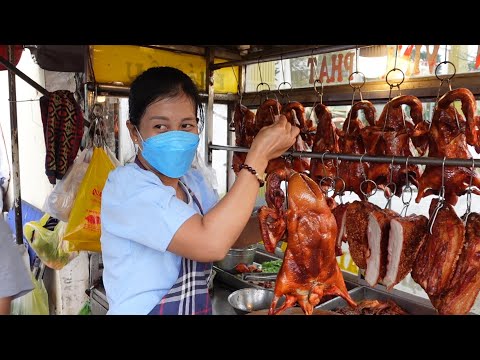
column 237, row 256
column 247, row 300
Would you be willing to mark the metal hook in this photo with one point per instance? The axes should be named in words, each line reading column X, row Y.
column 469, row 194
column 388, row 185
column 338, row 178
column 366, row 181
column 441, row 198
column 406, row 190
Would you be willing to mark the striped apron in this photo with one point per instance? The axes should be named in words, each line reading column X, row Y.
column 189, row 295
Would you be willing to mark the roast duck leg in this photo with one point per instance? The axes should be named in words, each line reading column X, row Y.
column 245, row 131
column 448, row 139
column 391, row 136
column 350, row 142
column 309, row 270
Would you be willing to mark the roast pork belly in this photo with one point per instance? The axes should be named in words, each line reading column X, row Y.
column 437, row 258
column 465, row 284
column 377, row 235
column 406, row 236
column 357, row 216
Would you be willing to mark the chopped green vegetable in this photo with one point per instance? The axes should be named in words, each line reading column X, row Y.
column 272, row 266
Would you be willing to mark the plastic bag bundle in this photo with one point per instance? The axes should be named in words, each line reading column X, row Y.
column 60, row 201
column 47, row 241
column 83, row 228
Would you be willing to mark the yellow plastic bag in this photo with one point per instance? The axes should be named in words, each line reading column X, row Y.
column 83, row 228
column 49, row 244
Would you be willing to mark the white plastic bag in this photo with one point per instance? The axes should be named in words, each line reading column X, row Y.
column 60, row 201
column 207, row 171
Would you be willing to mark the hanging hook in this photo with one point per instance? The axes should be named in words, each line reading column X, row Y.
column 390, row 186
column 331, row 187
column 338, row 178
column 469, row 194
column 366, row 181
column 448, row 80
column 441, row 198
column 355, row 89
column 406, row 190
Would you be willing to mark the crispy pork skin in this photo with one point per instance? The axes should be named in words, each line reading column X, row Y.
column 465, row 284
column 406, row 236
column 357, row 229
column 378, row 235
column 437, row 258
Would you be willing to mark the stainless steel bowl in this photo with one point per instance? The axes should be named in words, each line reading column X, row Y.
column 237, row 256
column 247, row 300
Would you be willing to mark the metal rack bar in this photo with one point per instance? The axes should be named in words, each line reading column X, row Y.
column 319, row 49
column 418, row 160
column 12, row 93
column 21, row 75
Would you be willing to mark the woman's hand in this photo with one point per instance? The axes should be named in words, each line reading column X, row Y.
column 273, row 140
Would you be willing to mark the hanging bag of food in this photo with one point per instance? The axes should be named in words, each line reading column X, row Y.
column 83, row 228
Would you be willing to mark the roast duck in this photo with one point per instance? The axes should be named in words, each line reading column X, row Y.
column 245, row 131
column 447, row 139
column 350, row 142
column 325, row 140
column 309, row 269
column 448, row 263
column 247, row 125
column 391, row 137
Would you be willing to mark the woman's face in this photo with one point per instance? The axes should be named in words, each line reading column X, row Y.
column 177, row 113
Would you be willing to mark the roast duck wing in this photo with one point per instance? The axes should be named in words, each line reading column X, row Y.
column 391, row 137
column 350, row 142
column 326, row 139
column 309, row 269
column 447, row 139
column 245, row 131
column 465, row 284
column 436, row 260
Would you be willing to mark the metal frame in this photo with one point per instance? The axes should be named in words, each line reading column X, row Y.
column 12, row 93
column 417, row 160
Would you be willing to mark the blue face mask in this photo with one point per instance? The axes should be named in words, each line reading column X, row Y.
column 171, row 153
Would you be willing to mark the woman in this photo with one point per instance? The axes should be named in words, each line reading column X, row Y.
column 162, row 224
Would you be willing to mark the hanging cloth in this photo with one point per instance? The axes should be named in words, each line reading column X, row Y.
column 62, row 120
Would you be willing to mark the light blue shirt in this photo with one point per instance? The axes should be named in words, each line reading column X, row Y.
column 140, row 216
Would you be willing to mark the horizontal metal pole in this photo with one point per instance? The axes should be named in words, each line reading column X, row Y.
column 313, row 50
column 122, row 90
column 417, row 160
column 22, row 76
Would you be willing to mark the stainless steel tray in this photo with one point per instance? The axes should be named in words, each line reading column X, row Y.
column 416, row 306
column 236, row 282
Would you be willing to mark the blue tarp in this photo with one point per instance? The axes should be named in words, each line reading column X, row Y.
column 29, row 213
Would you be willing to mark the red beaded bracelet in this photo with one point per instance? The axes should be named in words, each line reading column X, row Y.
column 253, row 171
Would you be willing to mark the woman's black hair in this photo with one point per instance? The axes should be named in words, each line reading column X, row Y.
column 158, row 83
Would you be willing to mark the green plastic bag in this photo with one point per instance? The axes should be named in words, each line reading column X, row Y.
column 49, row 245
column 33, row 303
column 86, row 309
